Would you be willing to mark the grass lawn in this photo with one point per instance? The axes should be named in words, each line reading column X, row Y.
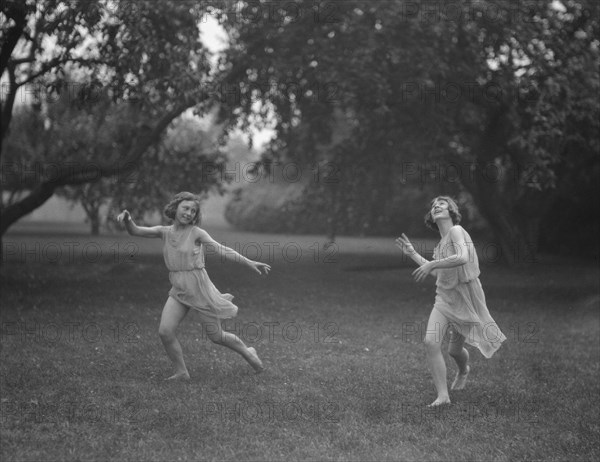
column 340, row 332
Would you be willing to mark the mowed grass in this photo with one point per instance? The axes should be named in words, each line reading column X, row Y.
column 340, row 333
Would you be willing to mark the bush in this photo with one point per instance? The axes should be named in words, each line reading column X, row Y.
column 306, row 207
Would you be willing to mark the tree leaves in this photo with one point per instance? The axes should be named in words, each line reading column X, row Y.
column 146, row 53
column 492, row 85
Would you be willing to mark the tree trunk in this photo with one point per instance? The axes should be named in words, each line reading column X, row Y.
column 512, row 209
column 332, row 219
column 514, row 243
column 514, row 219
column 95, row 222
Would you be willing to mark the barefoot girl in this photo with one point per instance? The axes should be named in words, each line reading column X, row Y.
column 192, row 288
column 459, row 301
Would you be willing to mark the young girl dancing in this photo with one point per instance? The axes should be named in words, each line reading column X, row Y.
column 192, row 288
column 459, row 302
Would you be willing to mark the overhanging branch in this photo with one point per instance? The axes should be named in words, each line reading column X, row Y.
column 74, row 175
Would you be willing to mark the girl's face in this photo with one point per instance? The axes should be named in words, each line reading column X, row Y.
column 186, row 212
column 439, row 210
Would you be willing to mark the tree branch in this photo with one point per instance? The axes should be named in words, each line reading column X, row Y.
column 46, row 67
column 83, row 174
column 6, row 110
column 19, row 16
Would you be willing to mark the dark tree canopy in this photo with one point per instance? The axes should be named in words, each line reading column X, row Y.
column 497, row 97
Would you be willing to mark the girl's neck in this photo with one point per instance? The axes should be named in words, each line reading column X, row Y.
column 180, row 226
column 444, row 226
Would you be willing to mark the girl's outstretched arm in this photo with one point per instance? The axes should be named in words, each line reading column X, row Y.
column 135, row 230
column 230, row 254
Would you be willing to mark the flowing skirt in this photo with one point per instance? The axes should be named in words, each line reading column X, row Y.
column 464, row 306
column 195, row 290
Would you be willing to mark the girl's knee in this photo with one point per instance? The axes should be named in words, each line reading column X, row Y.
column 459, row 353
column 214, row 332
column 216, row 338
column 454, row 352
column 166, row 333
column 432, row 344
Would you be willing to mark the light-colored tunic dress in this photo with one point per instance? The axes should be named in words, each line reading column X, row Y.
column 191, row 284
column 459, row 297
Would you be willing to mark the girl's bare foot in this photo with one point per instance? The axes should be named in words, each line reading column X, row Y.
column 180, row 376
column 460, row 380
column 255, row 361
column 440, row 402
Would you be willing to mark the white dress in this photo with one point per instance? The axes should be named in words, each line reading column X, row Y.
column 459, row 297
column 191, row 284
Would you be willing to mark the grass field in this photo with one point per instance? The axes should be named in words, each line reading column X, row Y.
column 340, row 333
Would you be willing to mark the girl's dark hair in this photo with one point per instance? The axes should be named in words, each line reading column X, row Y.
column 171, row 207
column 452, row 211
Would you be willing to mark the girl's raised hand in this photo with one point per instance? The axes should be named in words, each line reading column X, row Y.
column 421, row 273
column 124, row 216
column 405, row 245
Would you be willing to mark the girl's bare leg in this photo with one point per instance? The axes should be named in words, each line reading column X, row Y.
column 461, row 356
column 172, row 315
column 216, row 334
column 436, row 328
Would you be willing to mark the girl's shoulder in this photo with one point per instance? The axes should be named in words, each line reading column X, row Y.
column 453, row 231
column 458, row 229
column 163, row 230
column 461, row 233
column 199, row 233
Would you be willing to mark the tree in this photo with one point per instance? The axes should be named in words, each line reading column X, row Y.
column 82, row 129
column 187, row 159
column 147, row 53
column 501, row 97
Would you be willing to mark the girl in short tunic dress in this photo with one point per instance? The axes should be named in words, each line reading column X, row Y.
column 460, row 305
column 191, row 287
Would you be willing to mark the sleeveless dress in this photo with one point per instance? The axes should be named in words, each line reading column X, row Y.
column 191, row 284
column 459, row 296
